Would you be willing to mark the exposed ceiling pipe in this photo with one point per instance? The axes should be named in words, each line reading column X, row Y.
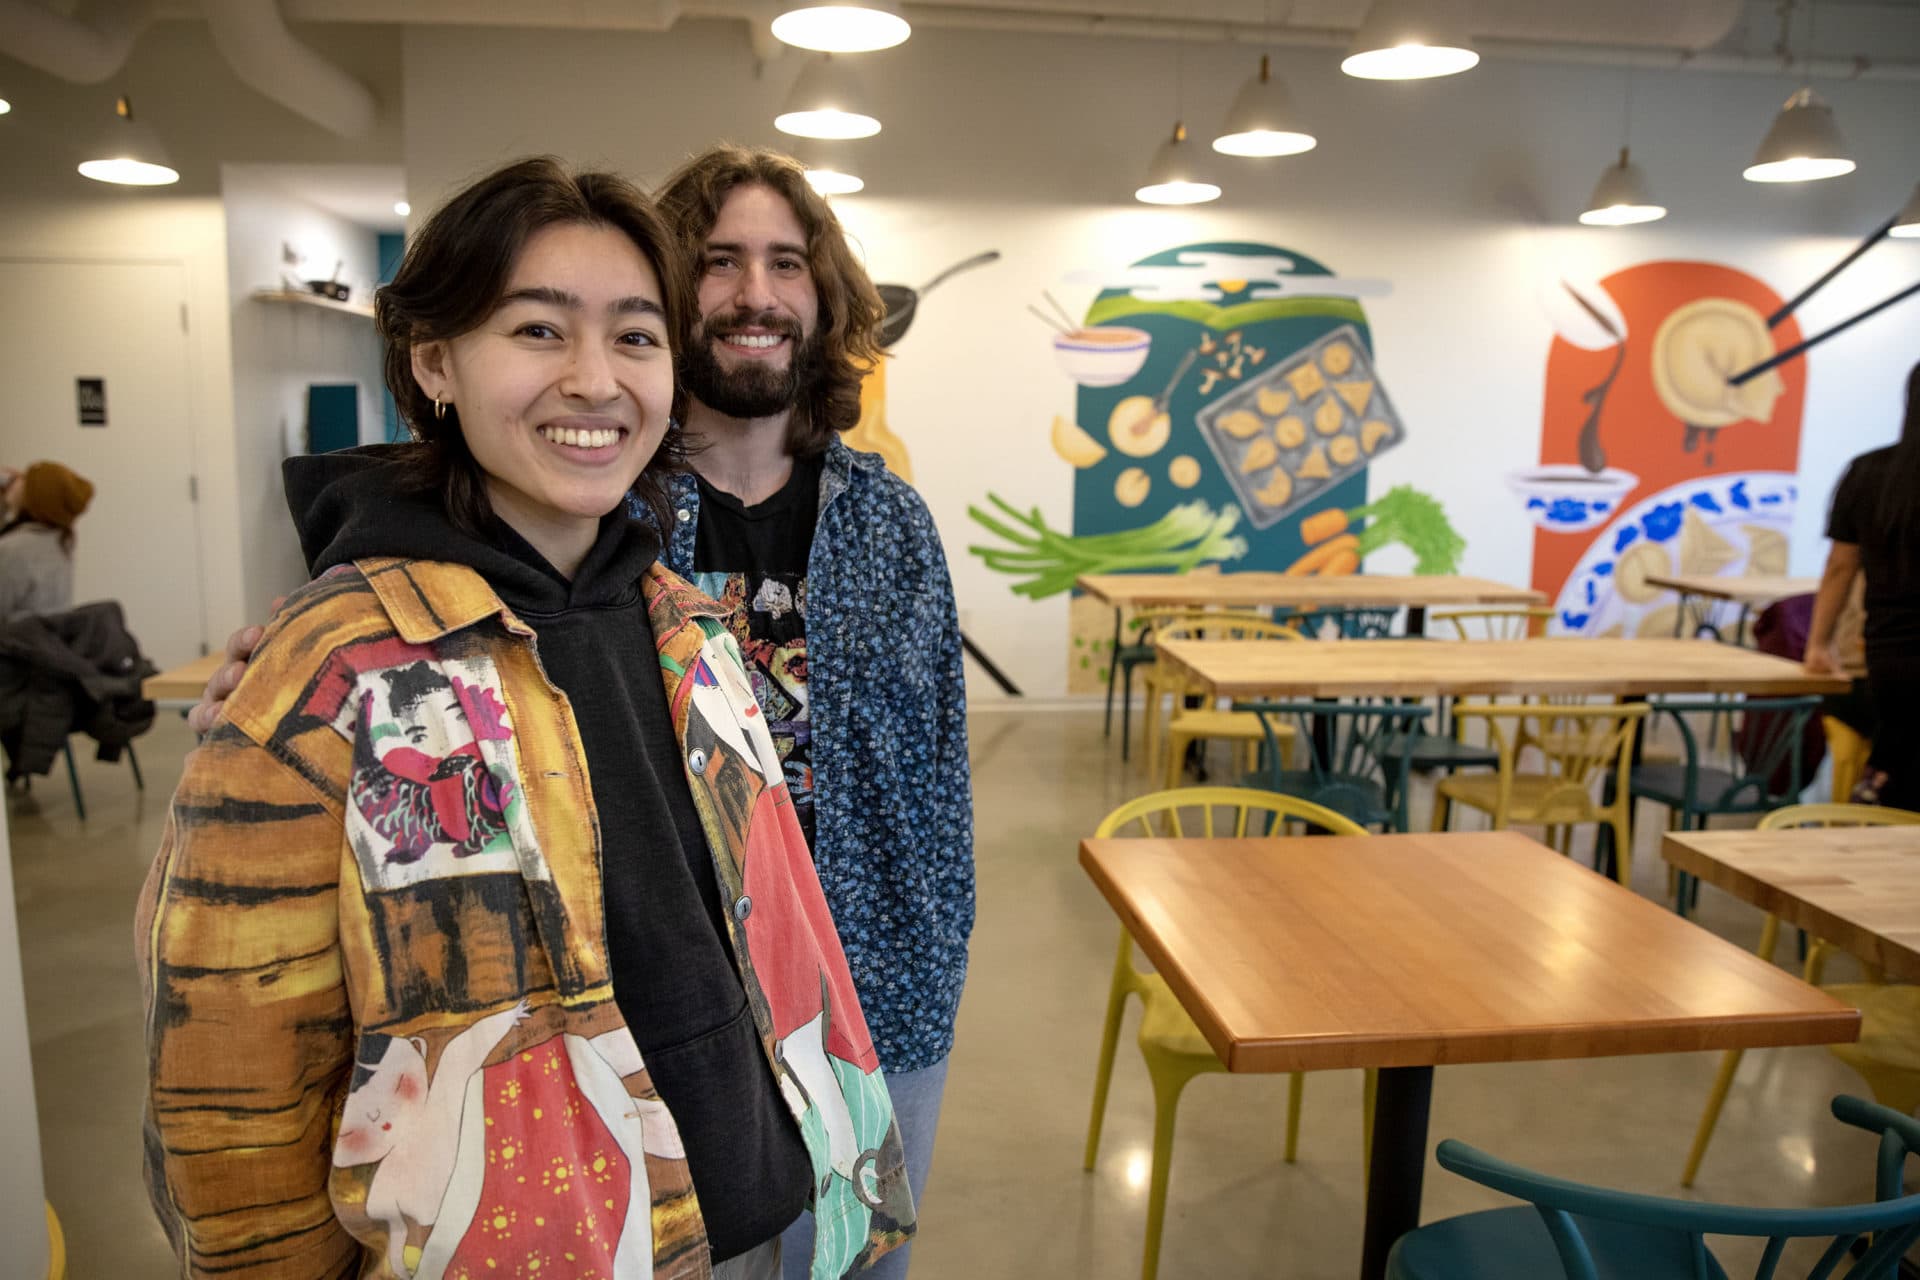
column 1652, row 58
column 589, row 15
column 86, row 48
column 268, row 58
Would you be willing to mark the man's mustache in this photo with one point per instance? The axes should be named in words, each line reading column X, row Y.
column 721, row 326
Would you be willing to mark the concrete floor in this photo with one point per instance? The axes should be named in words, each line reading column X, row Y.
column 1007, row 1196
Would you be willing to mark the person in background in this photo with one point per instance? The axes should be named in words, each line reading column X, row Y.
column 838, row 594
column 36, row 539
column 1875, row 530
column 483, row 932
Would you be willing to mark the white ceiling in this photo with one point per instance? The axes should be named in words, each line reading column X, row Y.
column 361, row 193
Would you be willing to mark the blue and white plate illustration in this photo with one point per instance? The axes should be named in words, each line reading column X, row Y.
column 1730, row 524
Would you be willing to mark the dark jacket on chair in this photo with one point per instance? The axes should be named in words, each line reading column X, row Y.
column 61, row 673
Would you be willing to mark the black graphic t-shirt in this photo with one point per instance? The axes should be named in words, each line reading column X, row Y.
column 754, row 561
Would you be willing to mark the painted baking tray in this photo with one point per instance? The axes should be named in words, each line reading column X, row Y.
column 1302, row 426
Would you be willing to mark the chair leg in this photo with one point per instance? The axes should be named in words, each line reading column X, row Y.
column 1176, row 755
column 139, row 783
column 1169, row 1078
column 1126, row 713
column 1296, row 1085
column 1150, row 726
column 1729, row 1063
column 1103, row 1074
column 1442, row 810
column 1622, row 851
column 73, row 780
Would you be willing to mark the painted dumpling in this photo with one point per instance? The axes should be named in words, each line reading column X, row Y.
column 1262, row 453
column 1327, row 418
column 1344, row 450
column 1337, row 358
column 1242, row 424
column 1290, row 432
column 1273, row 401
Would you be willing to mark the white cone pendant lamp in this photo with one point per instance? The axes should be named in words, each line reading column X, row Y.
column 1804, row 144
column 1410, row 40
column 1907, row 225
column 1260, row 122
column 830, row 168
column 1620, row 198
column 827, row 101
column 842, row 26
column 1177, row 174
column 129, row 153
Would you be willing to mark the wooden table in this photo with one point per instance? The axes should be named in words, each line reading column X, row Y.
column 1402, row 952
column 1428, row 668
column 1752, row 592
column 183, row 683
column 1857, row 887
column 1292, row 591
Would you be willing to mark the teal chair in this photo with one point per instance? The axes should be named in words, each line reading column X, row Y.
column 1766, row 755
column 1359, row 622
column 1358, row 756
column 1589, row 1233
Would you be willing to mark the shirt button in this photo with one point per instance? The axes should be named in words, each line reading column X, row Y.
column 683, row 515
column 742, row 908
column 697, row 760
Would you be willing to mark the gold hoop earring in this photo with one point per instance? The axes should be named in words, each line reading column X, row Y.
column 439, row 409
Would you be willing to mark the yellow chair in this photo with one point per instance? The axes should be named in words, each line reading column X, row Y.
column 56, row 1246
column 1173, row 1047
column 1588, row 742
column 1186, row 725
column 1887, row 1054
column 1493, row 624
column 1849, row 751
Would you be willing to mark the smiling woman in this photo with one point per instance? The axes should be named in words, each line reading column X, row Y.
column 442, row 869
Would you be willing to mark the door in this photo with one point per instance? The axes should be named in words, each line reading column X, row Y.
column 123, row 323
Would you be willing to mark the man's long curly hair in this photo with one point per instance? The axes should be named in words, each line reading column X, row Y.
column 850, row 307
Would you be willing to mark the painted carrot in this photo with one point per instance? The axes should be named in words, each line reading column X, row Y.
column 1324, row 554
column 1322, row 525
column 1348, row 561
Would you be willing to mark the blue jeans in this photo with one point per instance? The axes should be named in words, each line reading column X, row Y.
column 916, row 1108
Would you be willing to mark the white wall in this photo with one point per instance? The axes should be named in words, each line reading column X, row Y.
column 278, row 349
column 1459, row 192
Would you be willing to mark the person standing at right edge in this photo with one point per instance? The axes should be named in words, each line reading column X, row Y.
column 1875, row 530
column 841, row 602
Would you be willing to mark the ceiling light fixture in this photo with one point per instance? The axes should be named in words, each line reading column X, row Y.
column 132, row 154
column 1620, row 197
column 1804, row 144
column 1409, row 40
column 5, row 106
column 827, row 102
column 842, row 26
column 402, row 208
column 834, row 182
column 1260, row 122
column 1176, row 175
column 1907, row 224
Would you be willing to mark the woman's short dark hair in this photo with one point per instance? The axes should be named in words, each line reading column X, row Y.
column 455, row 272
column 850, row 307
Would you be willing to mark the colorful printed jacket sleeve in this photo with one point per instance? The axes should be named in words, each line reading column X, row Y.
column 249, row 1034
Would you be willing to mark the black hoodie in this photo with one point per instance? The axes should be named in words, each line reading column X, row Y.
column 672, row 965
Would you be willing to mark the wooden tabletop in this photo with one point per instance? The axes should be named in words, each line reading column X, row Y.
column 1857, row 887
column 1368, row 590
column 1754, row 590
column 1427, row 668
column 184, row 682
column 1417, row 950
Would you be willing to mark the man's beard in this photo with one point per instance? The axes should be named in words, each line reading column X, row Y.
column 753, row 389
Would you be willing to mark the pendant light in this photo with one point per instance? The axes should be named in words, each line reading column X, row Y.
column 5, row 106
column 1410, row 40
column 129, row 154
column 830, row 168
column 842, row 26
column 1260, row 122
column 1804, row 144
column 1620, row 198
column 1907, row 225
column 1177, row 175
column 827, row 102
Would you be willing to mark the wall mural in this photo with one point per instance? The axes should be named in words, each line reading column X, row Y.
column 1227, row 409
column 1650, row 461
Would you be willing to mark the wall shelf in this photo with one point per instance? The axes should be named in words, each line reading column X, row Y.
column 300, row 299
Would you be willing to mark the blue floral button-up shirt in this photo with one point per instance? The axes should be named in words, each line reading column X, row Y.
column 893, row 799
